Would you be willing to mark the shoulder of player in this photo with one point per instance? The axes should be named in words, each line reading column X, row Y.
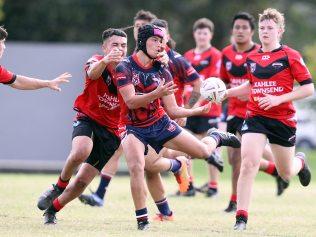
column 189, row 53
column 215, row 51
column 227, row 49
column 291, row 53
column 95, row 58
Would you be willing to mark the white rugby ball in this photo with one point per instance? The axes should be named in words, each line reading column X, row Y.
column 213, row 89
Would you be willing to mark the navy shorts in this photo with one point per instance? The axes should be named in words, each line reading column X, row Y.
column 157, row 134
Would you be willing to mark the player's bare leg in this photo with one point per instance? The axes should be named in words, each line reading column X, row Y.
column 85, row 175
column 81, row 148
column 108, row 171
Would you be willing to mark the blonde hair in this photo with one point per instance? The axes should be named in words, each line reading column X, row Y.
column 275, row 15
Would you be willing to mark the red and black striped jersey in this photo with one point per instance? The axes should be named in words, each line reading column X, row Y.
column 234, row 73
column 6, row 77
column 274, row 73
column 207, row 64
column 99, row 100
column 144, row 80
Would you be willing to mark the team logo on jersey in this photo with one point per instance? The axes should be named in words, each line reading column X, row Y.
column 135, row 79
column 253, row 67
column 238, row 57
column 277, row 65
column 265, row 57
column 244, row 126
column 228, row 65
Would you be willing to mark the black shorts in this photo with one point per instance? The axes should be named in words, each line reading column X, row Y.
column 234, row 124
column 157, row 134
column 276, row 131
column 105, row 143
column 201, row 124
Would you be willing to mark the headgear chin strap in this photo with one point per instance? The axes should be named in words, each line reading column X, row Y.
column 144, row 33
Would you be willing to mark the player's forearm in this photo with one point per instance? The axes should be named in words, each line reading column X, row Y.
column 179, row 112
column 299, row 93
column 96, row 70
column 194, row 97
column 241, row 90
column 29, row 83
column 138, row 101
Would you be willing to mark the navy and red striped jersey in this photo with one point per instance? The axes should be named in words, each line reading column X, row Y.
column 6, row 77
column 207, row 64
column 182, row 73
column 144, row 80
column 234, row 73
column 274, row 73
column 99, row 100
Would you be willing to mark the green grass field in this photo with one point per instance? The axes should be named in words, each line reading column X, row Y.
column 293, row 214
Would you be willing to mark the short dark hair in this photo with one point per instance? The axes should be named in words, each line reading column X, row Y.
column 245, row 16
column 203, row 23
column 110, row 32
column 3, row 33
column 160, row 23
column 144, row 15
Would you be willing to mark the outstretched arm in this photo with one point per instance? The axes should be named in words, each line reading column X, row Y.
column 174, row 111
column 242, row 90
column 29, row 83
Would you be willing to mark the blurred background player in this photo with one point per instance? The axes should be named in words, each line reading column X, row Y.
column 206, row 60
column 22, row 82
column 271, row 72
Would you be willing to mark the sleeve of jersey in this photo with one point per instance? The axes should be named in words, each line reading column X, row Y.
column 167, row 75
column 190, row 74
column 216, row 65
column 298, row 69
column 6, row 77
column 89, row 62
column 223, row 72
column 122, row 76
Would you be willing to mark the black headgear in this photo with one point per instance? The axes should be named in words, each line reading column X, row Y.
column 146, row 32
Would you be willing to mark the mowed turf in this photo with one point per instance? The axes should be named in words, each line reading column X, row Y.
column 293, row 214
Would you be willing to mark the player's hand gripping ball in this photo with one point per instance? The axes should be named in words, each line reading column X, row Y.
column 213, row 89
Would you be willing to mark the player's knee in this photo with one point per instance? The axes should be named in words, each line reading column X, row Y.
column 249, row 165
column 136, row 169
column 81, row 183
column 79, row 155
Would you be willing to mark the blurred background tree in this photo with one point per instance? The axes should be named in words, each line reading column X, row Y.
column 84, row 20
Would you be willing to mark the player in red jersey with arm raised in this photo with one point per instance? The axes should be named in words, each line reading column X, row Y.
column 95, row 136
column 206, row 60
column 234, row 73
column 272, row 71
column 141, row 83
column 22, row 82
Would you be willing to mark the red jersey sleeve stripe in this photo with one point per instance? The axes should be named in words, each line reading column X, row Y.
column 11, row 81
column 305, row 82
